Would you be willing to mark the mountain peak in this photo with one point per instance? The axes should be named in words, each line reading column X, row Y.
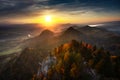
column 71, row 30
column 71, row 33
column 87, row 26
column 47, row 33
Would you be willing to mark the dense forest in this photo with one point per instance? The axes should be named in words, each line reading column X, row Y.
column 80, row 61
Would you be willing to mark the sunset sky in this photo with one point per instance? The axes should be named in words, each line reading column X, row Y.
column 61, row 11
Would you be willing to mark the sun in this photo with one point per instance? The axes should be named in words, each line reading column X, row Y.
column 48, row 21
column 48, row 18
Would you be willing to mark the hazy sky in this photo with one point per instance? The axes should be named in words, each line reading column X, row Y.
column 62, row 11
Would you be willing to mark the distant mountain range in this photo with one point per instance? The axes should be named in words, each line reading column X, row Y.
column 92, row 35
column 111, row 26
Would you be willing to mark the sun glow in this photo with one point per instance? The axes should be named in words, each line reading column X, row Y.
column 48, row 18
column 49, row 21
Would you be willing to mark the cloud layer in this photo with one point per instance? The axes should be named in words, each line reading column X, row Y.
column 31, row 8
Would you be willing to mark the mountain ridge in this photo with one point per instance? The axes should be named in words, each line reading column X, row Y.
column 27, row 63
column 96, row 36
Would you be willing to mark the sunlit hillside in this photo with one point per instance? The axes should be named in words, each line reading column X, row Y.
column 79, row 61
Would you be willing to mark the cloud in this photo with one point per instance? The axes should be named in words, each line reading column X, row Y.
column 20, row 7
column 27, row 8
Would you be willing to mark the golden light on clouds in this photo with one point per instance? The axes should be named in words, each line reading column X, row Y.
column 50, row 19
column 48, row 12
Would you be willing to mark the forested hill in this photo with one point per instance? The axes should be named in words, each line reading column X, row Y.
column 73, row 60
column 70, row 61
column 79, row 61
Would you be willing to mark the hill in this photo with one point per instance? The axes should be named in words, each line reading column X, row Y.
column 92, row 35
column 78, row 61
column 68, row 60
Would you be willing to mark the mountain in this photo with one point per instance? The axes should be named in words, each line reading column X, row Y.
column 46, row 34
column 26, row 65
column 23, row 66
column 101, row 37
column 42, row 41
column 94, row 31
column 92, row 35
column 113, row 26
column 71, row 31
column 72, row 60
column 87, row 27
column 75, row 61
